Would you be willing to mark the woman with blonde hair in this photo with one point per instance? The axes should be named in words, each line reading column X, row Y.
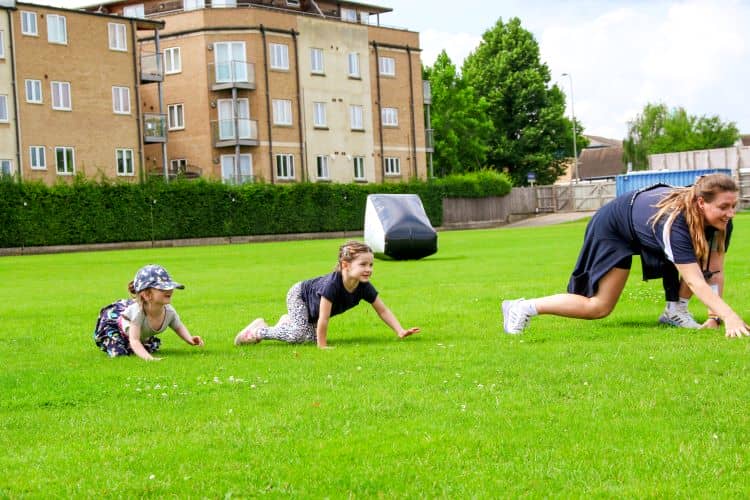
column 683, row 227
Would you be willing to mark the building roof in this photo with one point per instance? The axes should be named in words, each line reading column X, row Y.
column 374, row 9
column 745, row 139
column 601, row 161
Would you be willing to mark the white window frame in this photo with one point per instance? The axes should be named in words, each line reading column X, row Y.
column 38, row 157
column 220, row 4
column 231, row 62
column 322, row 172
column 66, row 169
column 353, row 65
column 4, row 115
column 284, row 164
column 387, row 66
column 136, row 10
column 33, row 91
column 348, row 15
column 279, row 56
column 392, row 165
column 246, row 168
column 121, row 100
column 282, row 112
column 356, row 117
column 176, row 116
column 28, row 23
column 2, row 44
column 193, row 5
column 292, row 3
column 118, row 37
column 57, row 29
column 6, row 167
column 317, row 61
column 319, row 115
column 177, row 164
column 358, row 162
column 59, row 96
column 125, row 162
column 234, row 112
column 390, row 117
column 172, row 60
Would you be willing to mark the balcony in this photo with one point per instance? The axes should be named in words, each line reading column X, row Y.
column 427, row 92
column 154, row 127
column 429, row 140
column 225, row 135
column 152, row 69
column 231, row 74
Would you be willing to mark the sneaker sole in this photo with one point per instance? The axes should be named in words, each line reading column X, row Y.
column 507, row 304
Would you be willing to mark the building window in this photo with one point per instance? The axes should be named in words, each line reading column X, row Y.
column 279, row 56
column 390, row 117
column 292, row 3
column 3, row 108
column 28, row 23
column 125, row 164
column 354, row 65
column 172, row 60
column 285, row 166
column 6, row 168
column 356, row 119
column 136, row 10
column 65, row 160
column 223, row 3
column 176, row 116
column 321, row 164
column 316, row 61
column 231, row 65
column 282, row 112
column 117, row 37
column 56, row 29
column 387, row 66
column 61, row 96
column 178, row 166
column 37, row 158
column 359, row 168
column 34, row 91
column 349, row 15
column 319, row 115
column 2, row 44
column 194, row 4
column 392, row 166
column 245, row 173
column 121, row 100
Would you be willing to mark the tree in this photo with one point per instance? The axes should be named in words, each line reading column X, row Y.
column 661, row 130
column 459, row 119
column 531, row 131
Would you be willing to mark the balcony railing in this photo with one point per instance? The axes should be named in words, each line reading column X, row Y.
column 233, row 132
column 154, row 127
column 427, row 92
column 234, row 180
column 152, row 69
column 231, row 74
column 429, row 140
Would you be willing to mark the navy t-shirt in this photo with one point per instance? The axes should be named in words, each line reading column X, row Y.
column 331, row 286
column 673, row 242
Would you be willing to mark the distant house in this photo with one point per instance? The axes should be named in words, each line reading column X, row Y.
column 602, row 158
column 744, row 140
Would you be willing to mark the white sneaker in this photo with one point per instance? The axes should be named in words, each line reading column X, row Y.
column 515, row 318
column 678, row 316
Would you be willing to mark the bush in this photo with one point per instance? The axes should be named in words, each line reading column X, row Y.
column 33, row 214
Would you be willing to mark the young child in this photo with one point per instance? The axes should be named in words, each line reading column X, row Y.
column 130, row 326
column 311, row 303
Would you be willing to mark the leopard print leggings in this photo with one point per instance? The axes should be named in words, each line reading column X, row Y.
column 297, row 328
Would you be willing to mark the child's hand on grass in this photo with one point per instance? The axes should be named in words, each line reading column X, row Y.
column 410, row 331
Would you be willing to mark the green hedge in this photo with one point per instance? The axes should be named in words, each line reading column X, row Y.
column 33, row 214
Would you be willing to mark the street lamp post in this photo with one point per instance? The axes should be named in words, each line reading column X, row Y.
column 573, row 114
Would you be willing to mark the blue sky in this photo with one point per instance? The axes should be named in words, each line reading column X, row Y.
column 620, row 54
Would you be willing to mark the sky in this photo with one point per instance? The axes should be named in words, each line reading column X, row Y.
column 620, row 55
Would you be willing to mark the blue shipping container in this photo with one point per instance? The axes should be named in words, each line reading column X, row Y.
column 638, row 180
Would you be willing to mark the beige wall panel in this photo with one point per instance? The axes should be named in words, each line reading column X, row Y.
column 8, row 148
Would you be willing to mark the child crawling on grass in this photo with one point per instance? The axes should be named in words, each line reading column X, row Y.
column 130, row 326
column 313, row 302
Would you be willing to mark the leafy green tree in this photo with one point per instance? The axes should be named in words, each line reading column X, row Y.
column 531, row 131
column 459, row 119
column 661, row 130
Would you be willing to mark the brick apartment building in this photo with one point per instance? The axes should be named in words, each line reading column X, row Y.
column 272, row 90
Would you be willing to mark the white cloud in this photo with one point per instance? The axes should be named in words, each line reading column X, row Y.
column 456, row 45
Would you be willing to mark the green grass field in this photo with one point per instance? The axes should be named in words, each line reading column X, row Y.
column 617, row 407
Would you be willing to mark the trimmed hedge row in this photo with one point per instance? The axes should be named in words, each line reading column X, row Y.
column 33, row 214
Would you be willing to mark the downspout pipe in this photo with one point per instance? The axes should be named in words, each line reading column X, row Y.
column 268, row 103
column 139, row 115
column 19, row 157
column 411, row 109
column 380, row 111
column 303, row 148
